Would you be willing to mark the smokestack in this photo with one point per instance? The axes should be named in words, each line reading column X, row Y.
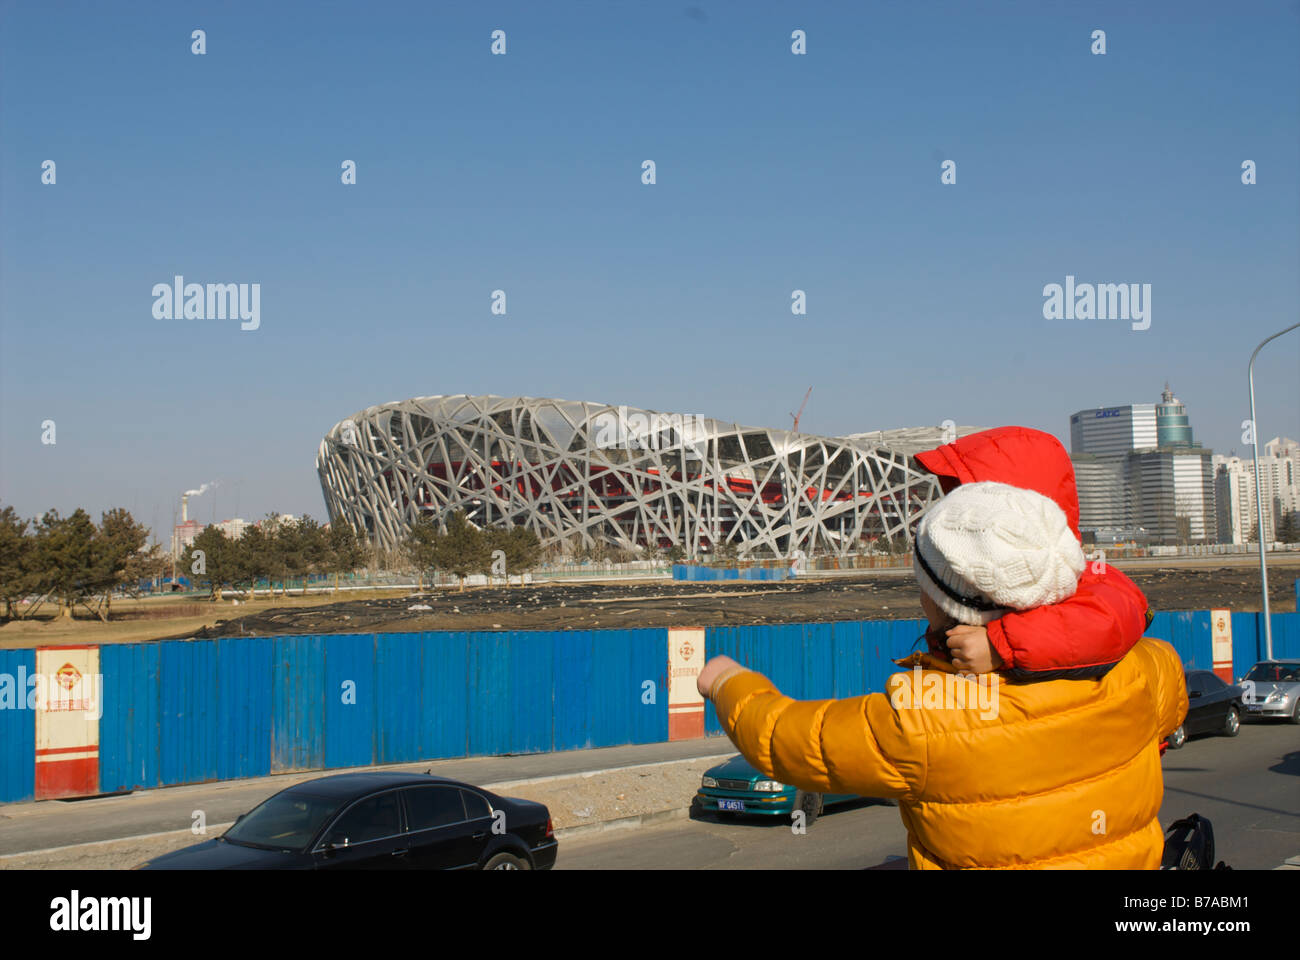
column 185, row 508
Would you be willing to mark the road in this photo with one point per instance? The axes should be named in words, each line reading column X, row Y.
column 1248, row 786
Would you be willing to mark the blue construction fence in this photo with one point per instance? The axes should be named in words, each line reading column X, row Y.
column 183, row 711
column 688, row 571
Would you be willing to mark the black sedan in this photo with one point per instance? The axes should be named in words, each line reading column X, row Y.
column 1212, row 707
column 378, row 821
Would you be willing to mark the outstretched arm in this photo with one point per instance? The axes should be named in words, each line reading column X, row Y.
column 852, row 746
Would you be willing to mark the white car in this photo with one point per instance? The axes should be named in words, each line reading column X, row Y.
column 1272, row 689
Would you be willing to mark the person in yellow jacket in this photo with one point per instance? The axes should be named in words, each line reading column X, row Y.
column 987, row 773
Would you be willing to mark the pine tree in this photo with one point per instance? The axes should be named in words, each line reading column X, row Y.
column 346, row 551
column 63, row 557
column 462, row 549
column 420, row 546
column 15, row 560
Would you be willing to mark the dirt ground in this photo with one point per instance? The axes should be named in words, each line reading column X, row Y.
column 579, row 606
column 664, row 604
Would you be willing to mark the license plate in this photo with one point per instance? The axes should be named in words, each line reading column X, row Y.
column 1253, row 707
column 737, row 805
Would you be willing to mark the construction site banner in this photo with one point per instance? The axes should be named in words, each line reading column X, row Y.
column 69, row 702
column 685, row 705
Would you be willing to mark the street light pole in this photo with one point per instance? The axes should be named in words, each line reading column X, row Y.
column 1259, row 501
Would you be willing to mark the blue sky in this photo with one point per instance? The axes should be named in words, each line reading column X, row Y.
column 522, row 172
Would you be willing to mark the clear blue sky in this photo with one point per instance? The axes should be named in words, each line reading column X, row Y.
column 522, row 172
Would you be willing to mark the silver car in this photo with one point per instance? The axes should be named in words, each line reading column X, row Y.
column 1272, row 689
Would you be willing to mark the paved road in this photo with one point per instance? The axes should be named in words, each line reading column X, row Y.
column 1249, row 787
column 55, row 823
column 854, row 836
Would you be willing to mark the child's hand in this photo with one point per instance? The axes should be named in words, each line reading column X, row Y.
column 970, row 649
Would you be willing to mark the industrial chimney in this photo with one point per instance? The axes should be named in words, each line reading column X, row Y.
column 185, row 508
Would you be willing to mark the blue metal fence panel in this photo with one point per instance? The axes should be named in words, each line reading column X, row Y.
column 1286, row 634
column 610, row 688
column 349, row 700
column 1247, row 643
column 17, row 727
column 1202, row 640
column 848, row 663
column 398, row 701
column 648, row 661
column 444, row 690
column 129, row 730
column 578, row 700
column 1161, row 627
column 187, row 677
column 818, row 681
column 243, row 707
column 1181, row 637
column 297, row 704
column 489, row 707
column 532, row 691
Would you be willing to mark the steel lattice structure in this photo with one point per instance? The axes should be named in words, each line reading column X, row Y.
column 633, row 478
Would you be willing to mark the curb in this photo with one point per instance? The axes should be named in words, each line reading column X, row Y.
column 623, row 823
column 215, row 829
column 505, row 784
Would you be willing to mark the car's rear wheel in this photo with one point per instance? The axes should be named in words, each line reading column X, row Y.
column 1231, row 723
column 811, row 805
column 1178, row 737
column 506, row 861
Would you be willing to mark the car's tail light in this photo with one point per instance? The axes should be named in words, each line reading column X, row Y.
column 550, row 828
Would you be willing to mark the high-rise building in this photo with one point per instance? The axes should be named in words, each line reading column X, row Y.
column 1173, row 429
column 1141, row 475
column 234, row 529
column 1113, row 431
column 1105, row 502
column 1174, row 494
column 183, row 535
column 1279, row 485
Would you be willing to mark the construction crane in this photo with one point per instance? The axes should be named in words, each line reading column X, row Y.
column 796, row 416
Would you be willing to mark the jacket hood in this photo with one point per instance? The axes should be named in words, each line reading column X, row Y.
column 1019, row 456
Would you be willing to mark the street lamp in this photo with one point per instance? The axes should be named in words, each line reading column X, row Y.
column 1259, row 501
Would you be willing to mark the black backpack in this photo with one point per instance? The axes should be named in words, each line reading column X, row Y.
column 1189, row 845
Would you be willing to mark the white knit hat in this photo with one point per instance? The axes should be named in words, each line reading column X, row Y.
column 987, row 548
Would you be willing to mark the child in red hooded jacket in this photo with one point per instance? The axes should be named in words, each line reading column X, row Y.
column 1080, row 637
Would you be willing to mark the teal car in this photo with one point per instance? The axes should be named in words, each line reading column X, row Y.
column 736, row 787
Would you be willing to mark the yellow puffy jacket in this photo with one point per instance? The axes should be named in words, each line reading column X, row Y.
column 1058, row 774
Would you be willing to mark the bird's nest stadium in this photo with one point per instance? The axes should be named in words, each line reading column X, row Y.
column 587, row 473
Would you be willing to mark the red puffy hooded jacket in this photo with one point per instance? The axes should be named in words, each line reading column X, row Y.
column 1083, row 636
